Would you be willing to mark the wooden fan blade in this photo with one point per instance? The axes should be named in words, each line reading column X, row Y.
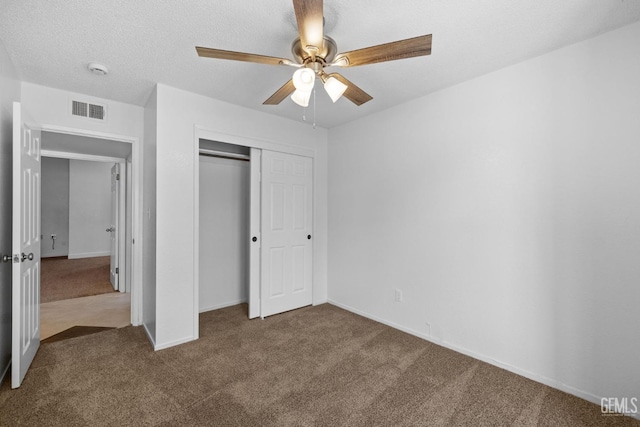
column 280, row 94
column 408, row 48
column 206, row 52
column 353, row 92
column 310, row 23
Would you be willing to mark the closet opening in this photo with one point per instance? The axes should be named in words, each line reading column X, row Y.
column 223, row 225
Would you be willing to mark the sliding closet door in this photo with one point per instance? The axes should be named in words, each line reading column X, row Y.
column 286, row 220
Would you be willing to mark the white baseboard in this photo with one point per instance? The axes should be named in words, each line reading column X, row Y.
column 174, row 343
column 157, row 346
column 89, row 255
column 222, row 305
column 151, row 339
column 54, row 255
column 532, row 376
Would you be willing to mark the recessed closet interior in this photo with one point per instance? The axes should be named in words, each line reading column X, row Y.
column 223, row 225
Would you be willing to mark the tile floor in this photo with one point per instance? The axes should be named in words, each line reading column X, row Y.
column 110, row 310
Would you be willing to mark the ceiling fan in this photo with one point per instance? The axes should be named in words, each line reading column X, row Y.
column 313, row 52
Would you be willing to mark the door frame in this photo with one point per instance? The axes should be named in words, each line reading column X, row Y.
column 262, row 144
column 123, row 285
column 135, row 263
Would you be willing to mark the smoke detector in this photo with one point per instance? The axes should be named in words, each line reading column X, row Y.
column 97, row 69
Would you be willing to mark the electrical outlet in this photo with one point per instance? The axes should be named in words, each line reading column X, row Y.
column 397, row 295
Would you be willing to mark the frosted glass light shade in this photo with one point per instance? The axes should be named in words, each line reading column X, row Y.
column 301, row 97
column 335, row 88
column 303, row 79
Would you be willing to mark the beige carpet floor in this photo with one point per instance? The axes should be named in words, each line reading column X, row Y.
column 62, row 278
column 317, row 366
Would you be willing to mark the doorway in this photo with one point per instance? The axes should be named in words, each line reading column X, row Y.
column 26, row 236
column 223, row 225
column 84, row 206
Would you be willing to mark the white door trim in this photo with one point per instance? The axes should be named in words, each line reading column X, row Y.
column 78, row 156
column 136, row 208
column 264, row 143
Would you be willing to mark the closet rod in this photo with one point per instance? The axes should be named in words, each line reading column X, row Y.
column 224, row 155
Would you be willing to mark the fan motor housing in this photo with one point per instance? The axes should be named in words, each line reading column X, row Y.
column 326, row 54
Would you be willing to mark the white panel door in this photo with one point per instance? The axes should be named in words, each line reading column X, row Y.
column 114, row 229
column 286, row 276
column 25, row 327
column 254, row 232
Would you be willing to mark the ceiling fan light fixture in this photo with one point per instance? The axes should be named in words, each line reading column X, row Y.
column 334, row 87
column 304, row 79
column 301, row 97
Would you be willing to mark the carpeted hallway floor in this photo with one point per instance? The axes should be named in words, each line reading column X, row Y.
column 63, row 278
column 317, row 366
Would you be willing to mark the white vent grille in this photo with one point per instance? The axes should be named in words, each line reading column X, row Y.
column 79, row 109
column 96, row 111
column 84, row 109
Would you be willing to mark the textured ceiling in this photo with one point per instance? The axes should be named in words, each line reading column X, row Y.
column 143, row 42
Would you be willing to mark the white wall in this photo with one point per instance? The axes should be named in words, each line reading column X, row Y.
column 224, row 232
column 54, row 206
column 9, row 92
column 89, row 208
column 76, row 206
column 49, row 106
column 149, row 217
column 179, row 112
column 507, row 210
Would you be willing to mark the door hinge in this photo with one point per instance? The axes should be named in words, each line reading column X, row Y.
column 117, row 270
column 117, row 177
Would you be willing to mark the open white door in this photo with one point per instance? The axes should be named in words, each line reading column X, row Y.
column 254, row 231
column 25, row 327
column 114, row 229
column 286, row 224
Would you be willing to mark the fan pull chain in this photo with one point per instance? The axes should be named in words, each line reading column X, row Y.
column 314, row 107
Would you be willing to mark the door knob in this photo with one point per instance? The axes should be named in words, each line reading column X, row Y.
column 6, row 258
column 254, row 239
column 110, row 229
column 25, row 256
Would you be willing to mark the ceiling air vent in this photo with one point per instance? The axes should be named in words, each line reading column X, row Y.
column 84, row 109
column 79, row 109
column 96, row 111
